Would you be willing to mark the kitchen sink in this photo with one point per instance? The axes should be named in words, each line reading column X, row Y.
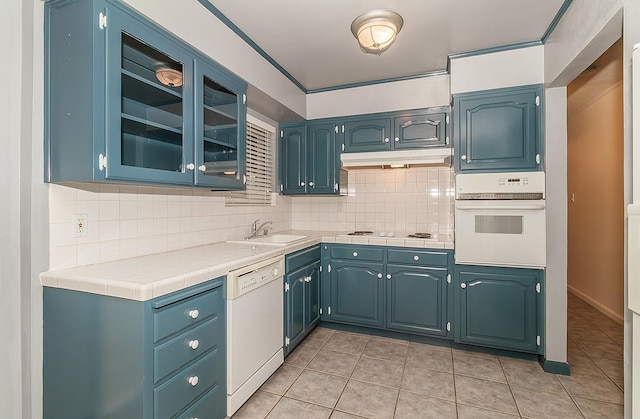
column 272, row 239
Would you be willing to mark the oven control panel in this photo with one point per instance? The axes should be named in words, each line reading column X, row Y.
column 470, row 185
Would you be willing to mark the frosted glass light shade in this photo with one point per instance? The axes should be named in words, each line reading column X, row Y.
column 169, row 77
column 376, row 30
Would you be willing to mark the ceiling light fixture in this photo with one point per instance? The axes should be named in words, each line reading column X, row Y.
column 376, row 30
column 169, row 77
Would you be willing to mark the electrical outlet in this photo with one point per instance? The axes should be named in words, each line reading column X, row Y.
column 79, row 227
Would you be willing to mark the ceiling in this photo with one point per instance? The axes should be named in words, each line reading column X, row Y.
column 312, row 40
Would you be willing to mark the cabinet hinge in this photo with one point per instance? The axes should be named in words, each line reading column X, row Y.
column 342, row 147
column 538, row 340
column 102, row 162
column 102, row 21
column 335, row 127
column 537, row 158
column 329, row 310
column 320, row 310
column 281, row 188
column 328, row 268
column 286, row 287
column 537, row 100
column 244, row 179
column 286, row 341
column 320, row 268
column 446, row 140
column 281, row 134
column 335, row 187
column 538, row 288
column 447, row 119
column 343, row 128
column 448, row 326
column 448, row 278
column 244, row 99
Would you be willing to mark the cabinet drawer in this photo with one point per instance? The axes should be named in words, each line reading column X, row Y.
column 301, row 258
column 185, row 313
column 417, row 257
column 172, row 396
column 357, row 253
column 174, row 354
column 211, row 405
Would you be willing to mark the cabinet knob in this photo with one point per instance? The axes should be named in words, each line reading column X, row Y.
column 355, row 254
column 191, row 166
column 386, row 140
column 193, row 380
column 202, row 168
column 302, row 279
column 307, row 279
column 193, row 344
column 397, row 140
column 194, row 314
column 311, row 184
column 463, row 285
column 416, row 257
column 301, row 183
column 463, row 157
column 379, row 275
column 388, row 276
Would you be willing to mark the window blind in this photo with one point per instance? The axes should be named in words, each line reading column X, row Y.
column 260, row 166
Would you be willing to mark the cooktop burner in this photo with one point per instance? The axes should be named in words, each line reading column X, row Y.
column 360, row 233
column 420, row 235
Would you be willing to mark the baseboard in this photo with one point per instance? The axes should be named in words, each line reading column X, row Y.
column 598, row 306
column 555, row 367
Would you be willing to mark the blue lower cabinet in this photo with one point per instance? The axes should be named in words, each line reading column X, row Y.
column 108, row 357
column 301, row 296
column 357, row 293
column 416, row 299
column 498, row 307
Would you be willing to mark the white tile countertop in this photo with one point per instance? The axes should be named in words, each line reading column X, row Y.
column 145, row 277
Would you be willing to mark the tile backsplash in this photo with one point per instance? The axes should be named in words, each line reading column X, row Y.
column 129, row 221
column 384, row 200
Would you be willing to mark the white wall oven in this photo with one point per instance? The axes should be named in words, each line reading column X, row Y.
column 500, row 219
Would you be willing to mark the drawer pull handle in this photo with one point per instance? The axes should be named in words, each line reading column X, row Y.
column 416, row 257
column 193, row 344
column 193, row 381
column 194, row 314
column 355, row 254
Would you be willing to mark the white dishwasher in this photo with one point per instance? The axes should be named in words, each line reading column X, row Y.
column 255, row 313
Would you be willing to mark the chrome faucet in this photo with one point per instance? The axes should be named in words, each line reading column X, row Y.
column 255, row 229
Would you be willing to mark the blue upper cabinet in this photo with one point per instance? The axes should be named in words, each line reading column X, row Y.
column 397, row 131
column 126, row 101
column 367, row 134
column 310, row 159
column 498, row 130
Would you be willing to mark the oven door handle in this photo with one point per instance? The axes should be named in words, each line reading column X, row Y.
column 525, row 207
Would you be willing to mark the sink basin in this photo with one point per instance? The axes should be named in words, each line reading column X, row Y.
column 272, row 239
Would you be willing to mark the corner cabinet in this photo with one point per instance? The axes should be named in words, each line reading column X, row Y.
column 111, row 357
column 301, row 296
column 498, row 130
column 499, row 307
column 310, row 159
column 126, row 101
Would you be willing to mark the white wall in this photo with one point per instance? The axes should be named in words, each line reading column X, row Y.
column 192, row 22
column 408, row 94
column 515, row 67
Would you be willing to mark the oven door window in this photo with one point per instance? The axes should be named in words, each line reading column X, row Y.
column 499, row 224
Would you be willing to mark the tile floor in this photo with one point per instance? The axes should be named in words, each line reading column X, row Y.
column 346, row 375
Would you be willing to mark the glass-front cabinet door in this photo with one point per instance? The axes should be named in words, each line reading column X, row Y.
column 220, row 121
column 149, row 99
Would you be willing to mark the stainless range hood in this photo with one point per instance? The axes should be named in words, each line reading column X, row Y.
column 437, row 156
